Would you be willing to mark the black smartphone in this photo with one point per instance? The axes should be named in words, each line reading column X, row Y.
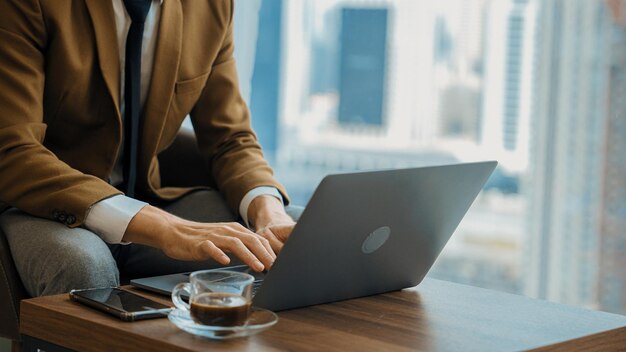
column 120, row 303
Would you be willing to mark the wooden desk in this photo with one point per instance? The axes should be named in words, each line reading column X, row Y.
column 435, row 316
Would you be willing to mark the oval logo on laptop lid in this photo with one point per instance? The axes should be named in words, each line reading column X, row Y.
column 375, row 240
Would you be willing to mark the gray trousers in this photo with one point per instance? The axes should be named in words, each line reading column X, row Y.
column 52, row 258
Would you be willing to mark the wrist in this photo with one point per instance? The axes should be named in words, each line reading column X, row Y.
column 147, row 227
column 265, row 209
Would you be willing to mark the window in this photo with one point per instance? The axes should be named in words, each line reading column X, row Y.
column 539, row 85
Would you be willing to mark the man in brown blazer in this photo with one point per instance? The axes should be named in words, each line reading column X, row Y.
column 66, row 90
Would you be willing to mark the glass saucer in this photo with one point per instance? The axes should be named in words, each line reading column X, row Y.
column 259, row 320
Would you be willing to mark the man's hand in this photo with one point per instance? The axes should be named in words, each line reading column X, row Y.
column 188, row 240
column 267, row 216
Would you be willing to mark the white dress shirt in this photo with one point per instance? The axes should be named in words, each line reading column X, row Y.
column 109, row 218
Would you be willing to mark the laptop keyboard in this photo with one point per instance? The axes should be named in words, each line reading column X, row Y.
column 255, row 287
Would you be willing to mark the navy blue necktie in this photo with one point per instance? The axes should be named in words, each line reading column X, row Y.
column 137, row 10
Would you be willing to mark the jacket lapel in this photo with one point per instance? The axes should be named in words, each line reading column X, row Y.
column 103, row 19
column 164, row 74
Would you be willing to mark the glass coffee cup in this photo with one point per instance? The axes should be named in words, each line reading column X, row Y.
column 216, row 297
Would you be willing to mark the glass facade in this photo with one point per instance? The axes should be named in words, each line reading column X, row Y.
column 539, row 85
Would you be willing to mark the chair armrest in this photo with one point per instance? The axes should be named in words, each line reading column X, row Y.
column 12, row 291
column 181, row 164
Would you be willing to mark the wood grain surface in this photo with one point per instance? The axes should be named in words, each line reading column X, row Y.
column 613, row 340
column 434, row 316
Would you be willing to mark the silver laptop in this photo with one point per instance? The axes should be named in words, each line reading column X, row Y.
column 363, row 234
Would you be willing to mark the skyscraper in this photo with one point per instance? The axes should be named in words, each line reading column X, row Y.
column 509, row 47
column 577, row 238
column 612, row 290
column 363, row 52
column 443, row 41
column 265, row 97
column 458, row 74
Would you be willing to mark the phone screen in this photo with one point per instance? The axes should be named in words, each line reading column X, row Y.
column 120, row 300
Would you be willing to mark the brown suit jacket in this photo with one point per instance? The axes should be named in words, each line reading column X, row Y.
column 60, row 122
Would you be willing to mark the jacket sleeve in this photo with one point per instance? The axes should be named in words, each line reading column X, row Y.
column 222, row 124
column 32, row 178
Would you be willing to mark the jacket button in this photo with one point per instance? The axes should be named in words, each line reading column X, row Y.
column 70, row 219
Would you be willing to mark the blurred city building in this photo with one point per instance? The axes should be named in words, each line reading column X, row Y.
column 362, row 66
column 377, row 84
column 265, row 84
column 539, row 85
column 507, row 88
column 612, row 282
column 576, row 245
column 458, row 69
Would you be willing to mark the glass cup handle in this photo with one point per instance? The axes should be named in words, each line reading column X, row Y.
column 178, row 289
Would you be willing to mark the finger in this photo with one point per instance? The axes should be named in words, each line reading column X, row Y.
column 256, row 245
column 282, row 231
column 210, row 249
column 268, row 246
column 276, row 244
column 278, row 234
column 266, row 243
column 238, row 248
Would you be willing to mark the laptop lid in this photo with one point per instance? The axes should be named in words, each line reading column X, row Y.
column 371, row 232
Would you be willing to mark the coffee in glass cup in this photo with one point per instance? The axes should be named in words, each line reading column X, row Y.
column 217, row 297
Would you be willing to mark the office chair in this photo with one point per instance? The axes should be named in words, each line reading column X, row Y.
column 181, row 165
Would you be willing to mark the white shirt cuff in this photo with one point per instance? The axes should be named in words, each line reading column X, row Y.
column 253, row 193
column 109, row 218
